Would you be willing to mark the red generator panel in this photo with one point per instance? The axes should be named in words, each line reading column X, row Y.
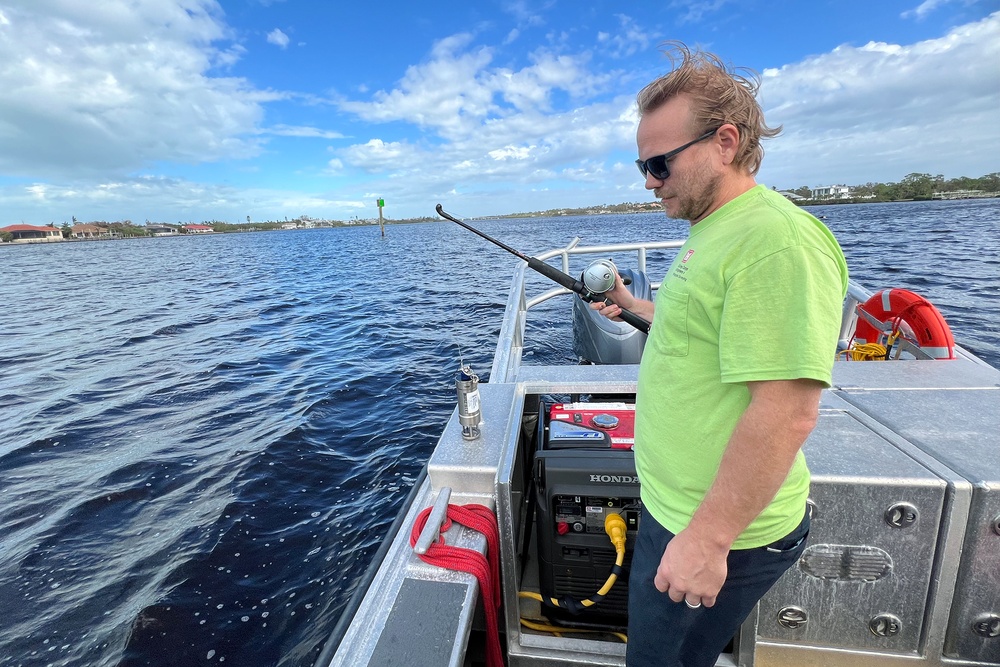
column 615, row 419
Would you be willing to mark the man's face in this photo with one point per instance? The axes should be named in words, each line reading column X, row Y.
column 689, row 192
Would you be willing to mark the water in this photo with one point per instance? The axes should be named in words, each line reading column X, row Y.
column 205, row 438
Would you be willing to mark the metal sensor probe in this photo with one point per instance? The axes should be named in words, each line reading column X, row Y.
column 469, row 410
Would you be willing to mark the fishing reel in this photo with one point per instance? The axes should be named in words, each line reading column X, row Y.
column 599, row 276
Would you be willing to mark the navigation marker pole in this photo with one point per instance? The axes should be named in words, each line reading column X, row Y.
column 381, row 203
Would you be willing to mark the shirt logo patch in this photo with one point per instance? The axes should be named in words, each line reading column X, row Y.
column 687, row 256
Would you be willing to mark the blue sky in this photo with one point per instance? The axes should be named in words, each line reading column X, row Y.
column 191, row 110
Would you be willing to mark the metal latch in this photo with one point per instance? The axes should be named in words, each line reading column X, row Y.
column 434, row 520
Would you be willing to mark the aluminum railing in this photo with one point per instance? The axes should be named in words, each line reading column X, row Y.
column 510, row 344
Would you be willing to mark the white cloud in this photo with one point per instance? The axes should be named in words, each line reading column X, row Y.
column 115, row 85
column 630, row 39
column 442, row 93
column 924, row 9
column 511, row 153
column 302, row 131
column 897, row 107
column 522, row 150
column 226, row 58
column 905, row 108
column 278, row 38
column 692, row 11
column 138, row 197
column 378, row 155
column 492, row 127
column 526, row 13
column 456, row 91
column 305, row 204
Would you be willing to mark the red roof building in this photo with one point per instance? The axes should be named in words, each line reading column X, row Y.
column 32, row 234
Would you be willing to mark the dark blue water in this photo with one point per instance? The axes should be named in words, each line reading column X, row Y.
column 203, row 439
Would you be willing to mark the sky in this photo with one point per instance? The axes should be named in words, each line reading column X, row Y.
column 201, row 110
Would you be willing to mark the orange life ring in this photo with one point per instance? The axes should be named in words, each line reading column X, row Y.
column 894, row 306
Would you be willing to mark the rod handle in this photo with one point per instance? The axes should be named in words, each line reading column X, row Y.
column 636, row 321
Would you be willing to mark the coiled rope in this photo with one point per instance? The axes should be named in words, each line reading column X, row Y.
column 486, row 569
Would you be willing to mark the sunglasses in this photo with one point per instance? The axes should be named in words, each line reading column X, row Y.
column 658, row 165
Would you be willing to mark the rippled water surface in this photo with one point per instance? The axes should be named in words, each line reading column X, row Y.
column 203, row 439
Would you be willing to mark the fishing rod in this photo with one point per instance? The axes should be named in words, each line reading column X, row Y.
column 553, row 274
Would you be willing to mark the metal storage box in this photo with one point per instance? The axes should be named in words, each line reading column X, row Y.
column 863, row 581
column 960, row 427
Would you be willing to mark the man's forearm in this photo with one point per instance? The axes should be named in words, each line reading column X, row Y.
column 642, row 308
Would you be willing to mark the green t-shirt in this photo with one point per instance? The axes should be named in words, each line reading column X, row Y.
column 755, row 293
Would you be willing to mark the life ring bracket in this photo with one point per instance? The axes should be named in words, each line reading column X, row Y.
column 899, row 317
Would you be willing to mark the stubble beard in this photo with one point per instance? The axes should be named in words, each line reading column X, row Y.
column 693, row 194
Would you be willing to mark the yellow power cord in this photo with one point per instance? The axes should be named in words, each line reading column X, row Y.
column 558, row 631
column 871, row 351
column 866, row 352
column 614, row 526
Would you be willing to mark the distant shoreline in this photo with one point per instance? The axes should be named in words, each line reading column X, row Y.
column 604, row 209
column 654, row 207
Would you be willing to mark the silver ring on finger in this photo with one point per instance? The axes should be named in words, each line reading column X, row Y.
column 692, row 606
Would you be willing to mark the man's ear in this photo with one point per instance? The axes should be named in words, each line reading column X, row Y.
column 729, row 142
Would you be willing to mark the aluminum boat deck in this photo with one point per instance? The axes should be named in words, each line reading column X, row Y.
column 903, row 566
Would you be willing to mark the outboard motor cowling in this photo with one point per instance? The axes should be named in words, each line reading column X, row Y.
column 598, row 340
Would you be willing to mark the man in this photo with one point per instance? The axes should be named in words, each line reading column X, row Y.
column 742, row 343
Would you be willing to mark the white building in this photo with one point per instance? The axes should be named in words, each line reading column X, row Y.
column 157, row 229
column 831, row 192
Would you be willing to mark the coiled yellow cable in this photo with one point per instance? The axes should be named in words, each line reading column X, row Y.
column 614, row 526
column 872, row 351
column 866, row 352
column 558, row 631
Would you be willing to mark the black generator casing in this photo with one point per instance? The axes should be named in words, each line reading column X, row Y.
column 575, row 489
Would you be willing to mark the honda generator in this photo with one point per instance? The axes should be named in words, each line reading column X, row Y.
column 584, row 469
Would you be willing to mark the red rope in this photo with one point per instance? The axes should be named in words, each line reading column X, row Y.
column 486, row 572
column 901, row 317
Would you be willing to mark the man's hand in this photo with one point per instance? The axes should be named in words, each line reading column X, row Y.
column 692, row 570
column 620, row 298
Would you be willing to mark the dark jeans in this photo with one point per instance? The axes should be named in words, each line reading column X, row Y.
column 665, row 633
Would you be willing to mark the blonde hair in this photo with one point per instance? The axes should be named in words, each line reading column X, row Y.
column 719, row 94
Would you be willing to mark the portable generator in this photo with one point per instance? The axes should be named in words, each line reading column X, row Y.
column 584, row 469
